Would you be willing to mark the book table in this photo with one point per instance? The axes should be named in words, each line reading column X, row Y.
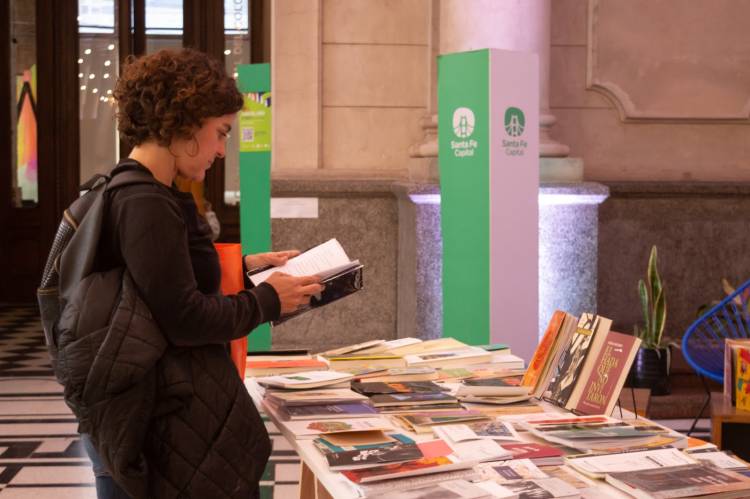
column 318, row 482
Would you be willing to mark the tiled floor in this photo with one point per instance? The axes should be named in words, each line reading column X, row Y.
column 40, row 453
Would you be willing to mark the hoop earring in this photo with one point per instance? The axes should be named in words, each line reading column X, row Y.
column 197, row 147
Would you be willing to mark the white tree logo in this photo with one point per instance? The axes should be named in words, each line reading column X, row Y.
column 463, row 122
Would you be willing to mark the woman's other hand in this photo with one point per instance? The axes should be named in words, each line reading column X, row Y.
column 273, row 258
column 294, row 292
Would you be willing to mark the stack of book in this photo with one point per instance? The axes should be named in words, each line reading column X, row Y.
column 590, row 433
column 275, row 363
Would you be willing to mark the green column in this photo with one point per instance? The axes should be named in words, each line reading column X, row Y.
column 254, row 81
column 463, row 137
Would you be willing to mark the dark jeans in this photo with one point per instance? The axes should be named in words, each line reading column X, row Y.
column 106, row 487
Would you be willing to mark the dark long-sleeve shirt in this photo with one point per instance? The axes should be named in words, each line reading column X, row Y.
column 157, row 233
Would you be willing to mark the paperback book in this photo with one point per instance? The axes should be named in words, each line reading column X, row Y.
column 577, row 360
column 305, row 381
column 326, row 411
column 339, row 275
column 411, row 468
column 452, row 358
column 412, row 399
column 493, row 387
column 690, row 480
column 492, row 430
column 306, row 429
column 378, row 456
column 314, row 397
column 598, row 465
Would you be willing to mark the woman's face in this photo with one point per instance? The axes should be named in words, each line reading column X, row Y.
column 196, row 155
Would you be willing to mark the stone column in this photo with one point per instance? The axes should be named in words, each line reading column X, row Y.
column 568, row 247
column 522, row 25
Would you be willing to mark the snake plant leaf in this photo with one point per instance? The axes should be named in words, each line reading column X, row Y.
column 643, row 293
column 654, row 281
column 659, row 319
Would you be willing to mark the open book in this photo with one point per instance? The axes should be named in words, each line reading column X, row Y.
column 339, row 275
column 326, row 260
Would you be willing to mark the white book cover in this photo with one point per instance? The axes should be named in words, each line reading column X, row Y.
column 599, row 465
column 479, row 451
column 511, row 470
column 451, row 489
column 493, row 430
column 543, row 487
column 464, row 354
column 325, row 260
column 305, row 379
column 436, row 345
column 720, row 460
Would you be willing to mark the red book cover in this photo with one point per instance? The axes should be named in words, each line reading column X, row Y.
column 536, row 366
column 602, row 389
column 267, row 364
column 409, row 468
column 532, row 450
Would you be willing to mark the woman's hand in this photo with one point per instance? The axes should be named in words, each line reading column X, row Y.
column 294, row 292
column 274, row 258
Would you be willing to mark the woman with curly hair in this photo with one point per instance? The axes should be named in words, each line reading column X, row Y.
column 203, row 436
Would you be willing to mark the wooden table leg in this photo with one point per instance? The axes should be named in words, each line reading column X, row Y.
column 321, row 492
column 307, row 483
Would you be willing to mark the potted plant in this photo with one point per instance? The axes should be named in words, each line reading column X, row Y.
column 651, row 366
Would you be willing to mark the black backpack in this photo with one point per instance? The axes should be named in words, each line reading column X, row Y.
column 75, row 245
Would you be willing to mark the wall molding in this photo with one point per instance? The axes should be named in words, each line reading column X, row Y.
column 623, row 98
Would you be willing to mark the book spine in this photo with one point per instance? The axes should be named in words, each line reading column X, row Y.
column 543, row 351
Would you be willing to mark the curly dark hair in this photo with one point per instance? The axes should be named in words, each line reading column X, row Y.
column 168, row 95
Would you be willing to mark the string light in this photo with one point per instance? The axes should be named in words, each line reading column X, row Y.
column 83, row 87
column 105, row 75
column 80, row 61
column 87, row 51
column 111, row 46
column 92, row 76
column 94, row 91
column 107, row 62
column 227, row 52
column 80, row 75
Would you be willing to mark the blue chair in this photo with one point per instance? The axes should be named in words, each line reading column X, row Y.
column 703, row 342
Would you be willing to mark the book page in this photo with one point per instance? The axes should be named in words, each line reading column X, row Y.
column 319, row 260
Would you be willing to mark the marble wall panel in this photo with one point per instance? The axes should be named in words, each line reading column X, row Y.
column 383, row 21
column 369, row 138
column 375, row 75
column 366, row 224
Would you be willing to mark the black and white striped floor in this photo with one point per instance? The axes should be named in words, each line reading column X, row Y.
column 41, row 455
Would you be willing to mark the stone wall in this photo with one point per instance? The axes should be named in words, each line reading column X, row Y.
column 701, row 232
column 351, row 81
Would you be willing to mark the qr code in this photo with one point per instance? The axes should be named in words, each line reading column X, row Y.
column 248, row 134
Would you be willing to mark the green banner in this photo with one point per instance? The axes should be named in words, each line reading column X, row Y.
column 463, row 138
column 254, row 81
